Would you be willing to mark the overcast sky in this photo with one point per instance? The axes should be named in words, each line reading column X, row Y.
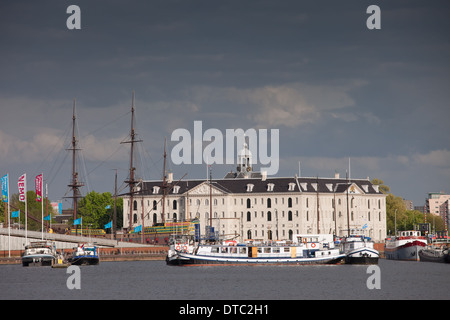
column 311, row 69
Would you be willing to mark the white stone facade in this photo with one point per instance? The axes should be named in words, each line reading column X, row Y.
column 265, row 208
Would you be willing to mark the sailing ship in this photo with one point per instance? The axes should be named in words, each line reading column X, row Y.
column 405, row 246
column 39, row 253
column 307, row 249
column 359, row 249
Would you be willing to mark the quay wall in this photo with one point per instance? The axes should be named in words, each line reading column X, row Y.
column 106, row 254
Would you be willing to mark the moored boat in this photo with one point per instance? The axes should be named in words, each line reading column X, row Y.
column 405, row 246
column 307, row 249
column 358, row 249
column 39, row 253
column 434, row 254
column 85, row 255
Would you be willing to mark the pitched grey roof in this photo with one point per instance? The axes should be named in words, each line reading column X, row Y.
column 280, row 185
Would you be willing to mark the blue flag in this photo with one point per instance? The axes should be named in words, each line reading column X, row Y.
column 77, row 222
column 108, row 207
column 15, row 214
column 48, row 218
column 365, row 226
column 108, row 225
column 5, row 188
column 138, row 229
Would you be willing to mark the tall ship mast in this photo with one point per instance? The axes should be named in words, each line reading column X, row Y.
column 75, row 185
column 132, row 180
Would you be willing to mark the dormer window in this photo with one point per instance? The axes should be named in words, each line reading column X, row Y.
column 314, row 185
column 304, row 186
column 270, row 186
column 155, row 189
column 330, row 186
column 291, row 186
column 365, row 187
column 250, row 187
column 176, row 189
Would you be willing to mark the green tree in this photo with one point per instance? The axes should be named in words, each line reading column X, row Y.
column 97, row 209
column 34, row 209
column 398, row 216
column 380, row 183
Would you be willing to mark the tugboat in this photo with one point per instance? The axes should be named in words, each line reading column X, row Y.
column 40, row 253
column 405, row 246
column 307, row 249
column 85, row 255
column 358, row 249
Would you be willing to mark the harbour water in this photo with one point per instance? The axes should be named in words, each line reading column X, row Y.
column 155, row 280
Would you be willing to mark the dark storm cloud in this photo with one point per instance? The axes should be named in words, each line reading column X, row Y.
column 310, row 68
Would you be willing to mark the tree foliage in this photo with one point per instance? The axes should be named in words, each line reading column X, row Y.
column 95, row 212
column 34, row 209
column 398, row 218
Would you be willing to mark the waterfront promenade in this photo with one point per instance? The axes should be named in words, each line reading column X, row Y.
column 12, row 247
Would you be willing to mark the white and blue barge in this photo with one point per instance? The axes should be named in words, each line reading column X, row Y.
column 305, row 249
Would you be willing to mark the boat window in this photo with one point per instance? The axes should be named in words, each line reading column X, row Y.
column 267, row 250
column 243, row 250
column 276, row 250
column 259, row 250
column 287, row 249
column 216, row 250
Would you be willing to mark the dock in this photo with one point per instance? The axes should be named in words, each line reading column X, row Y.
column 11, row 250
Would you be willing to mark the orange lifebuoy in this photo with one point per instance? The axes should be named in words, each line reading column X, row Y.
column 313, row 245
column 177, row 248
column 185, row 248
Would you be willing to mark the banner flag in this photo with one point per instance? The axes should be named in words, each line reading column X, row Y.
column 22, row 187
column 38, row 183
column 5, row 188
column 15, row 214
column 48, row 218
column 108, row 206
column 108, row 225
column 138, row 229
column 77, row 222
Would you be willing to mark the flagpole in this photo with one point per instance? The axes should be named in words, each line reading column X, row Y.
column 26, row 212
column 9, row 220
column 42, row 207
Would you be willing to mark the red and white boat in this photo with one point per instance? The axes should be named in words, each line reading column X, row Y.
column 405, row 246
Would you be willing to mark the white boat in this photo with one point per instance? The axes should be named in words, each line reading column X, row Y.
column 405, row 246
column 358, row 249
column 306, row 249
column 40, row 253
column 85, row 255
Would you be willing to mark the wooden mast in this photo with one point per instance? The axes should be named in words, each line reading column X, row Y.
column 75, row 184
column 131, row 181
